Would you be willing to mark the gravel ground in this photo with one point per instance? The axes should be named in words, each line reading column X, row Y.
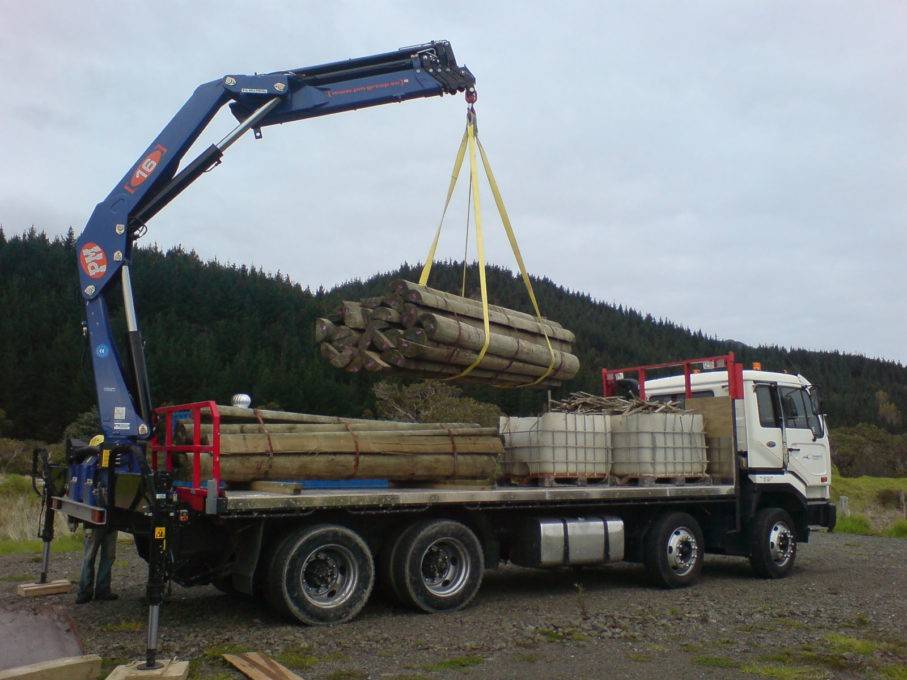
column 842, row 613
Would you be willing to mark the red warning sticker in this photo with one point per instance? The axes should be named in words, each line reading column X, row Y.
column 93, row 260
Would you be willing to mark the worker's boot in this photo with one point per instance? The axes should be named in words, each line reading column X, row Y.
column 105, row 596
column 82, row 598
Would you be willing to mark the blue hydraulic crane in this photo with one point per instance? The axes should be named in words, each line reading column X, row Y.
column 86, row 489
column 105, row 246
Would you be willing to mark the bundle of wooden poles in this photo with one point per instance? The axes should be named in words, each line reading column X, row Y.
column 279, row 445
column 423, row 332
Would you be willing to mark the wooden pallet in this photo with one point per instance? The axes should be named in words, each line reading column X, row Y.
column 560, row 480
column 652, row 480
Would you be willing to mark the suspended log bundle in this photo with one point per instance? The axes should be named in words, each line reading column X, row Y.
column 280, row 445
column 422, row 332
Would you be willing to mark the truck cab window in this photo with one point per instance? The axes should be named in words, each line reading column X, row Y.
column 795, row 403
column 768, row 415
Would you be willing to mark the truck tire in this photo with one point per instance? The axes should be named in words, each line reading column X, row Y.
column 321, row 575
column 773, row 543
column 437, row 566
column 673, row 550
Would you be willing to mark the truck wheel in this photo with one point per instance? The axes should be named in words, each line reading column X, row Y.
column 321, row 575
column 437, row 566
column 773, row 543
column 673, row 550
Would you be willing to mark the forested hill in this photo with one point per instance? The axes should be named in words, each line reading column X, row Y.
column 212, row 330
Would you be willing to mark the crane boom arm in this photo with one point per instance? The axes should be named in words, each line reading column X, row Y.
column 104, row 248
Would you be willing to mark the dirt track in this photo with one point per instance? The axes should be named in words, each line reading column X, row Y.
column 843, row 613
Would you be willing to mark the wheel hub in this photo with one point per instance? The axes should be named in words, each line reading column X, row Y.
column 329, row 576
column 780, row 543
column 445, row 567
column 682, row 551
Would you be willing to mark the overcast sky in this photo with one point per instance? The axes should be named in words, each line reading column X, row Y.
column 739, row 168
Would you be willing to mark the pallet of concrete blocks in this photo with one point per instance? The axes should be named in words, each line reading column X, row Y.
column 422, row 332
column 557, row 448
column 647, row 448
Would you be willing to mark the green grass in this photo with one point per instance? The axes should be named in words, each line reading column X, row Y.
column 854, row 524
column 834, row 653
column 897, row 671
column 64, row 543
column 716, row 662
column 217, row 651
column 15, row 485
column 860, row 525
column 781, row 672
column 300, row 659
column 863, row 492
column 844, row 644
column 455, row 663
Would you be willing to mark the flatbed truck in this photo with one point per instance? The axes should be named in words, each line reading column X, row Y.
column 316, row 554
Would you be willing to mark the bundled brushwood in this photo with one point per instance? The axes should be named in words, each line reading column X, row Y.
column 423, row 332
column 272, row 445
column 583, row 402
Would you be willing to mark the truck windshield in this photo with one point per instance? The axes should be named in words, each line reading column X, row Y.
column 798, row 410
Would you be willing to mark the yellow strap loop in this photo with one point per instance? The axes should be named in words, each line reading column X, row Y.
column 508, row 228
column 458, row 163
column 470, row 141
column 480, row 249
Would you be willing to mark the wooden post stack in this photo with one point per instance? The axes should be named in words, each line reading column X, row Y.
column 423, row 332
column 276, row 445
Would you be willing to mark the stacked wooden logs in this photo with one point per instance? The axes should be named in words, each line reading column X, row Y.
column 423, row 332
column 278, row 445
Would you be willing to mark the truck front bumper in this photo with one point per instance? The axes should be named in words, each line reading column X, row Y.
column 822, row 514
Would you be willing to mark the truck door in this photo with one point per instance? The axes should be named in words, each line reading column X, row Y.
column 766, row 448
column 807, row 441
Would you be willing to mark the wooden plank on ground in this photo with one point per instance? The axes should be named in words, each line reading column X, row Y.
column 256, row 666
column 86, row 667
column 170, row 669
column 39, row 589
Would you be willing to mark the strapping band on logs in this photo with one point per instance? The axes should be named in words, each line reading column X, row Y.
column 264, row 430
column 356, row 447
column 453, row 448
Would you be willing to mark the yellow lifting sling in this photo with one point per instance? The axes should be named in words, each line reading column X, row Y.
column 470, row 143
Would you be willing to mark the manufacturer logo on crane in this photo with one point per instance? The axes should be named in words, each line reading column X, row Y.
column 145, row 168
column 93, row 260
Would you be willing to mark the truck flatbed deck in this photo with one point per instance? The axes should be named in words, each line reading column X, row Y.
column 245, row 501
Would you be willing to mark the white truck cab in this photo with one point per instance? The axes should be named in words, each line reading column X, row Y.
column 781, row 435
